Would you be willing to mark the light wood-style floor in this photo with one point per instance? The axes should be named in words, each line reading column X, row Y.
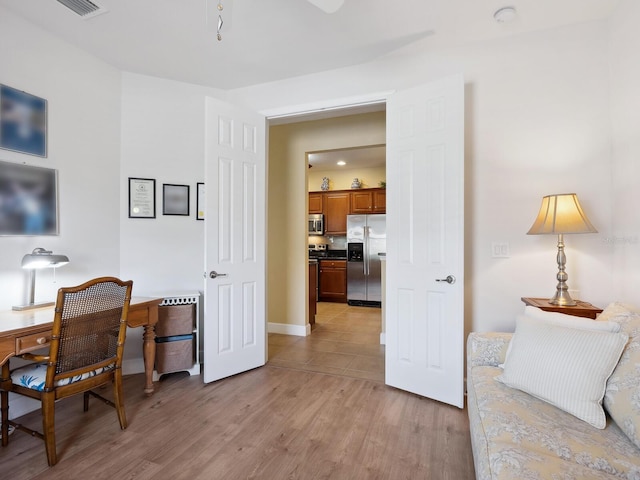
column 275, row 422
column 345, row 341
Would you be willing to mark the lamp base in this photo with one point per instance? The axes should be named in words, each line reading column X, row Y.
column 563, row 299
column 31, row 306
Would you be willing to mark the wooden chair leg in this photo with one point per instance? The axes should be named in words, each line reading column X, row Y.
column 5, row 377
column 48, row 426
column 86, row 401
column 119, row 398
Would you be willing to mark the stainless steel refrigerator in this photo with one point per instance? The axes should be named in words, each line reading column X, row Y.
column 366, row 238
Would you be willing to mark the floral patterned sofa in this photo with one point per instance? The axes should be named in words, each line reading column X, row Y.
column 515, row 435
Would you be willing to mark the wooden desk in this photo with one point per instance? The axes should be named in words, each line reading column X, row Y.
column 582, row 309
column 28, row 330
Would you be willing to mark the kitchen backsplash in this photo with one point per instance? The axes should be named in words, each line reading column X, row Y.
column 333, row 242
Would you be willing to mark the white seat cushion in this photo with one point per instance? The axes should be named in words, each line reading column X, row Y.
column 33, row 376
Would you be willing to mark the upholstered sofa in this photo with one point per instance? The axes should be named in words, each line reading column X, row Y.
column 516, row 435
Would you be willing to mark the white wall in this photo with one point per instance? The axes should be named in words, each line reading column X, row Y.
column 537, row 122
column 83, row 97
column 625, row 115
column 162, row 138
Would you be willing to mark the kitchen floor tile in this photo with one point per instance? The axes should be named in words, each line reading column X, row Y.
column 344, row 341
column 331, row 359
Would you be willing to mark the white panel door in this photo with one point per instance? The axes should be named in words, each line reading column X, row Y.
column 234, row 306
column 425, row 243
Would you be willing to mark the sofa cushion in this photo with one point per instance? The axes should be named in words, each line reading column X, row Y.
column 515, row 435
column 622, row 397
column 567, row 367
column 571, row 321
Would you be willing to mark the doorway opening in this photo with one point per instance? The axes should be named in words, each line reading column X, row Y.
column 302, row 151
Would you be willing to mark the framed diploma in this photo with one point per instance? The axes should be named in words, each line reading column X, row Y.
column 200, row 202
column 142, row 198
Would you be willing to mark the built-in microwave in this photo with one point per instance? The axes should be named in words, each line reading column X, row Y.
column 316, row 224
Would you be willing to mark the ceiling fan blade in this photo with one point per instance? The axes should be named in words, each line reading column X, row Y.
column 327, row 6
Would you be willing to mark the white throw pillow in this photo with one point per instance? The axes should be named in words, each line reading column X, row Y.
column 571, row 321
column 563, row 320
column 566, row 367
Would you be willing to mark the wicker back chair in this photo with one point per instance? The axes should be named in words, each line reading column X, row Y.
column 85, row 352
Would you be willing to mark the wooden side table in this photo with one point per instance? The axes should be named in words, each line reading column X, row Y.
column 582, row 309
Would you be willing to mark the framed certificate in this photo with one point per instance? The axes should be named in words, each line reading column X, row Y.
column 200, row 202
column 142, row 198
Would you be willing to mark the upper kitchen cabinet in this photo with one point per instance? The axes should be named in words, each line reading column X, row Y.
column 336, row 209
column 315, row 203
column 379, row 200
column 370, row 200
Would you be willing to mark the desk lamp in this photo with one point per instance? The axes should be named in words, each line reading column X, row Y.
column 39, row 258
column 560, row 214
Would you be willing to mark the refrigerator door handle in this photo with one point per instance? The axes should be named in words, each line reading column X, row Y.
column 366, row 250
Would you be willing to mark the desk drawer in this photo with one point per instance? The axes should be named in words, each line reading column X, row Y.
column 32, row 342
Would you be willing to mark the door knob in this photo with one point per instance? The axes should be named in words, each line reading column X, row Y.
column 450, row 279
column 214, row 274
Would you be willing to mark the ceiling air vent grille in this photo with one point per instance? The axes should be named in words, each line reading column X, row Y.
column 85, row 8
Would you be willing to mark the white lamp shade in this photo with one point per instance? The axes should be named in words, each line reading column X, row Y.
column 559, row 214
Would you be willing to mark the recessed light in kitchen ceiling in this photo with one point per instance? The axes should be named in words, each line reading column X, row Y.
column 505, row 15
column 342, row 163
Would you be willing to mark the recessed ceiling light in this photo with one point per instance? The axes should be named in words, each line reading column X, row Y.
column 342, row 163
column 505, row 15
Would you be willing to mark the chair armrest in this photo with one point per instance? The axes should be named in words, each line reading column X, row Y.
column 487, row 349
column 34, row 358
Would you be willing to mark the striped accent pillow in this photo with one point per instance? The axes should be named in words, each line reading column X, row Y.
column 566, row 367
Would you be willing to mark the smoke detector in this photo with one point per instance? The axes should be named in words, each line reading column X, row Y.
column 84, row 8
column 505, row 15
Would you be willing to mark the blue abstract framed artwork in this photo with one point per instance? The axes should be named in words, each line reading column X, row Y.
column 23, row 122
column 28, row 200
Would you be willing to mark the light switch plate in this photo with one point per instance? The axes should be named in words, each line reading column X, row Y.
column 500, row 249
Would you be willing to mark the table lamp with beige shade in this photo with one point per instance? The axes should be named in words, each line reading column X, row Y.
column 561, row 214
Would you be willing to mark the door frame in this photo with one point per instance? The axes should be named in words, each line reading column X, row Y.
column 319, row 110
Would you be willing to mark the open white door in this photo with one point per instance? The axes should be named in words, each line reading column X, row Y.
column 425, row 240
column 234, row 306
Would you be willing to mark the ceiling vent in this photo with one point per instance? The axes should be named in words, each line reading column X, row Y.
column 85, row 8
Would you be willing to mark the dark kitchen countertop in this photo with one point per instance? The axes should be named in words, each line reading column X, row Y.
column 326, row 254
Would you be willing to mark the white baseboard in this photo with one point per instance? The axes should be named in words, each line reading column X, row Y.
column 131, row 366
column 288, row 329
column 383, row 338
column 20, row 405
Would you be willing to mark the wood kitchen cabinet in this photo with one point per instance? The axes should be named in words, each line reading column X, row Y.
column 315, row 202
column 370, row 200
column 333, row 281
column 313, row 279
column 336, row 209
column 379, row 200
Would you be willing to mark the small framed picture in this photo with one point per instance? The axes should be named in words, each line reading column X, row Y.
column 142, row 198
column 23, row 122
column 200, row 202
column 175, row 199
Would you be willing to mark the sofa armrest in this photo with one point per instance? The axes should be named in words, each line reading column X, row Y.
column 487, row 349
